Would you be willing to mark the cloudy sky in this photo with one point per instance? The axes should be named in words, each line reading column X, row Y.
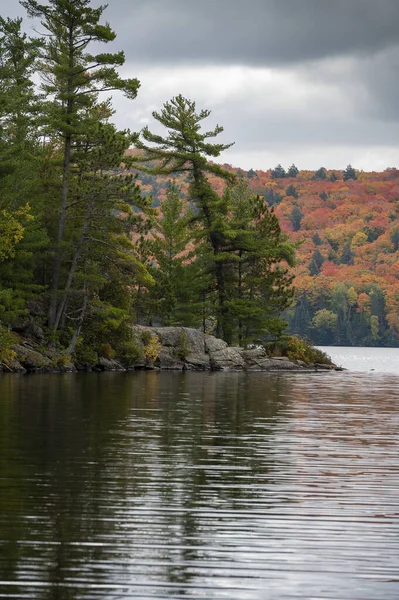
column 314, row 82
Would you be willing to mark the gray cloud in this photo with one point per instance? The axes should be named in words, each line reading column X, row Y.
column 253, row 32
column 307, row 80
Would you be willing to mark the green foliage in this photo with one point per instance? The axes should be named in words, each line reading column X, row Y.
column 84, row 355
column 349, row 173
column 292, row 171
column 129, row 352
column 106, row 351
column 296, row 348
column 183, row 346
column 296, row 217
column 278, row 172
column 291, row 191
column 320, row 174
column 7, row 341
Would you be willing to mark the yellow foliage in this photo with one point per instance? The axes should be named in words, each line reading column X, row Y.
column 153, row 348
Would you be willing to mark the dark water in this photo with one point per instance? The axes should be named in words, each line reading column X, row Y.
column 193, row 485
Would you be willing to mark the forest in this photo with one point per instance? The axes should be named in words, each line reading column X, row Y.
column 85, row 250
column 101, row 229
column 344, row 226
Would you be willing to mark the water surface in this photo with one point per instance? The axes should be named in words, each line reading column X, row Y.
column 193, row 485
column 378, row 360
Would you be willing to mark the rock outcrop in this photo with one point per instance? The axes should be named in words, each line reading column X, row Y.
column 183, row 348
column 163, row 348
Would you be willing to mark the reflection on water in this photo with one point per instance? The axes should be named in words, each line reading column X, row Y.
column 198, row 485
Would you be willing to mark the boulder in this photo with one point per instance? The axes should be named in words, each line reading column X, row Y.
column 169, row 361
column 108, row 364
column 213, row 344
column 31, row 360
column 197, row 361
column 273, row 364
column 227, row 359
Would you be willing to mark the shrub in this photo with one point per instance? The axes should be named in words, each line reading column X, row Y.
column 85, row 355
column 129, row 352
column 183, row 346
column 153, row 348
column 296, row 348
column 106, row 351
column 7, row 341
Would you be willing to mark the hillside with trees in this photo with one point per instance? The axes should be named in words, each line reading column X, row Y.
column 345, row 227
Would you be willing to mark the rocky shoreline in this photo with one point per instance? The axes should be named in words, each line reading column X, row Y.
column 160, row 348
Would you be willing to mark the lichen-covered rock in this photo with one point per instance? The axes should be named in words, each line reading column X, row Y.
column 213, row 344
column 12, row 366
column 197, row 361
column 31, row 360
column 253, row 356
column 228, row 359
column 108, row 364
column 169, row 361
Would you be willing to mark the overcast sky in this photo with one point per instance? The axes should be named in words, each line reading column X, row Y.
column 314, row 82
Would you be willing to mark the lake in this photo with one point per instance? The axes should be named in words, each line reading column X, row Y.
column 379, row 360
column 192, row 485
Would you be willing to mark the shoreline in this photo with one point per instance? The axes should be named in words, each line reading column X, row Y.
column 161, row 349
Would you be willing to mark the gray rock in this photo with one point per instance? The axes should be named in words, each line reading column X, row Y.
column 227, row 359
column 197, row 361
column 107, row 364
column 169, row 361
column 31, row 360
column 213, row 344
column 253, row 356
column 273, row 364
column 195, row 340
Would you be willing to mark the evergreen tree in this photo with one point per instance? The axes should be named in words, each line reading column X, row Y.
column 291, row 191
column 320, row 174
column 316, row 262
column 333, row 176
column 323, row 196
column 187, row 149
column 296, row 217
column 349, row 173
column 347, row 255
column 175, row 293
column 278, row 172
column 292, row 171
column 316, row 239
column 73, row 77
column 271, row 197
column 22, row 237
column 239, row 244
column 261, row 286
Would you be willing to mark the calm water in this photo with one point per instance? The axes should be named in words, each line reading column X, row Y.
column 379, row 360
column 230, row 486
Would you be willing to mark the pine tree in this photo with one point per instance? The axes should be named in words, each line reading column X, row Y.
column 292, row 171
column 174, row 295
column 291, row 191
column 73, row 78
column 278, row 172
column 320, row 174
column 296, row 217
column 22, row 238
column 187, row 149
column 349, row 173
